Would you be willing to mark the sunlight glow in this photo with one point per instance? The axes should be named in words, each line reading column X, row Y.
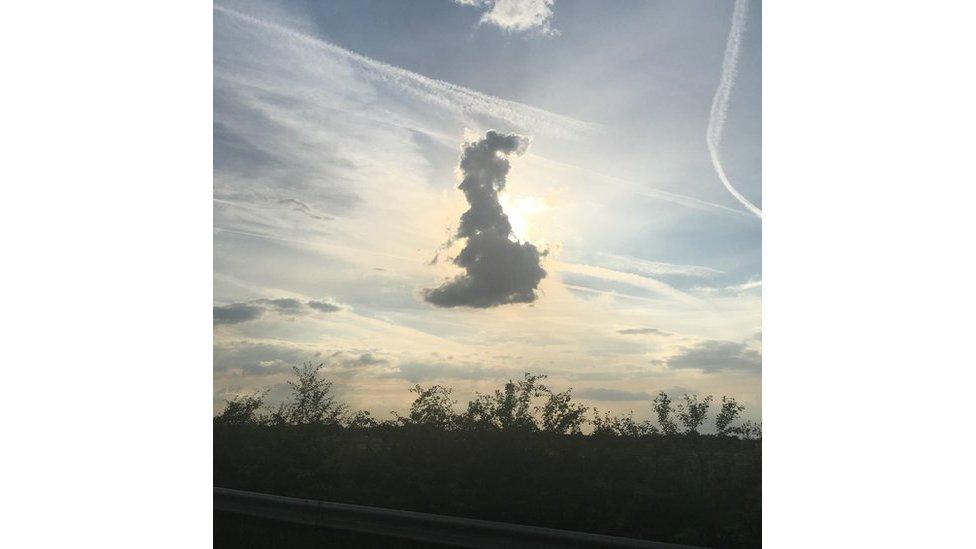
column 520, row 211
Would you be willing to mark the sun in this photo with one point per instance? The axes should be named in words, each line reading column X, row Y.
column 520, row 211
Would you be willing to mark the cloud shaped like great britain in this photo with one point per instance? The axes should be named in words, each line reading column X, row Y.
column 498, row 268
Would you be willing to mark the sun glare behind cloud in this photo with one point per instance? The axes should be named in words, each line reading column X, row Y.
column 521, row 211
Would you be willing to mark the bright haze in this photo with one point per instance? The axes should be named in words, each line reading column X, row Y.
column 455, row 192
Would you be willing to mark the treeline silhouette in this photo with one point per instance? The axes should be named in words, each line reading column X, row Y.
column 517, row 454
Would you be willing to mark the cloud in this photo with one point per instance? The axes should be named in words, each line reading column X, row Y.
column 615, row 395
column 436, row 92
column 637, row 280
column 643, row 267
column 416, row 372
column 324, row 306
column 713, row 356
column 258, row 359
column 299, row 206
column 515, row 16
column 498, row 268
column 367, row 359
column 281, row 305
column 642, row 331
column 735, row 289
column 236, row 313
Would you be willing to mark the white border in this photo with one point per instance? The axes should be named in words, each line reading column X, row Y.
column 106, row 196
column 867, row 289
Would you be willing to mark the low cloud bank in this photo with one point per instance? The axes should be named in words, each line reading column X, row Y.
column 236, row 313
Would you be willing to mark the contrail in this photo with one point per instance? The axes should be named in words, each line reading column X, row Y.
column 720, row 103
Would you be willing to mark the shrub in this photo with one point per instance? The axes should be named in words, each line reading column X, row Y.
column 621, row 426
column 662, row 407
column 693, row 412
column 729, row 413
column 313, row 401
column 561, row 415
column 433, row 406
column 241, row 410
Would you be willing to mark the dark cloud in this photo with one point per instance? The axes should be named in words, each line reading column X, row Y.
column 236, row 313
column 340, row 360
column 599, row 393
column 324, row 306
column 368, row 359
column 281, row 305
column 641, row 331
column 498, row 268
column 713, row 356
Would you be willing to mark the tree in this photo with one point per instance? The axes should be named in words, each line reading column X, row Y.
column 662, row 407
column 480, row 414
column 693, row 412
column 313, row 401
column 433, row 406
column 509, row 408
column 241, row 409
column 561, row 415
column 729, row 413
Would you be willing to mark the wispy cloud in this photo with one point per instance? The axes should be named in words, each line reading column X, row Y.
column 643, row 190
column 613, row 395
column 456, row 98
column 426, row 371
column 300, row 206
column 720, row 103
column 644, row 267
column 642, row 331
column 734, row 289
column 641, row 281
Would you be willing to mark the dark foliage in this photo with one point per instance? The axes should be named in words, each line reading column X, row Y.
column 516, row 455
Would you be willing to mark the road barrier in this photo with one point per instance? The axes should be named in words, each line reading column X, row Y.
column 455, row 531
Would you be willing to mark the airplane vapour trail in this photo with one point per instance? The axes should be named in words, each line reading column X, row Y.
column 720, row 103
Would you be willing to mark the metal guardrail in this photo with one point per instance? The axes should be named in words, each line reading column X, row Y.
column 456, row 531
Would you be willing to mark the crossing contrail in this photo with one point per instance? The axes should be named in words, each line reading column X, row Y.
column 720, row 103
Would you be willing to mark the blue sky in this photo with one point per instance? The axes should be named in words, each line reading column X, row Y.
column 338, row 129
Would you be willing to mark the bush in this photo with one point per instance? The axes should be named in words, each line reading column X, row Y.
column 241, row 410
column 693, row 412
column 662, row 407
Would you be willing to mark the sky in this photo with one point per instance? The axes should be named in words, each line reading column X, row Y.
column 458, row 191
